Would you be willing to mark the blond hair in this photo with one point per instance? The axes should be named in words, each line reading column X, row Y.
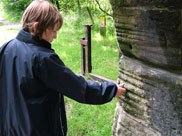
column 42, row 12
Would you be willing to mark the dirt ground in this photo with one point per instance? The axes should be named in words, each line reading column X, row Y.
column 8, row 30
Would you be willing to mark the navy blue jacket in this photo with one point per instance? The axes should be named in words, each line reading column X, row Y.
column 33, row 81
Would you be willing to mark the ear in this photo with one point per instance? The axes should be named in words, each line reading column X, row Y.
column 35, row 26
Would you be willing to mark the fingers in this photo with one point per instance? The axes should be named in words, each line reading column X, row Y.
column 121, row 90
column 121, row 85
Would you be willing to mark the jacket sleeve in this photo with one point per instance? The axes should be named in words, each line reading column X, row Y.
column 56, row 76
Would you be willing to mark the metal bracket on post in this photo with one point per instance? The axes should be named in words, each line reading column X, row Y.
column 86, row 51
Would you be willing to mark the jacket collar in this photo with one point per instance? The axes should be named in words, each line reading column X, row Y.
column 28, row 38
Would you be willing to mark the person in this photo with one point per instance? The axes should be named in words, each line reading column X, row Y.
column 33, row 79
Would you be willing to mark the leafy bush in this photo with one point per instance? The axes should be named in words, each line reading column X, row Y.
column 14, row 8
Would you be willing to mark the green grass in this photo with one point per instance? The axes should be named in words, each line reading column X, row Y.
column 105, row 56
column 90, row 120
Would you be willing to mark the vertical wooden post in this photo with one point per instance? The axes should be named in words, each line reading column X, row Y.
column 88, row 48
column 86, row 51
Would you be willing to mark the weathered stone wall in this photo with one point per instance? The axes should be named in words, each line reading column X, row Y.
column 149, row 33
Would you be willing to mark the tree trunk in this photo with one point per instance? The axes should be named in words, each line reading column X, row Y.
column 57, row 4
column 90, row 15
column 79, row 7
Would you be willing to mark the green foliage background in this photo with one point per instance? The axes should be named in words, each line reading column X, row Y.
column 15, row 8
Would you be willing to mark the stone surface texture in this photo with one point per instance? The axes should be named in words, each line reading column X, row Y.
column 149, row 34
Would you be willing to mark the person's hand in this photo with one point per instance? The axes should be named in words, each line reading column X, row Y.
column 121, row 90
